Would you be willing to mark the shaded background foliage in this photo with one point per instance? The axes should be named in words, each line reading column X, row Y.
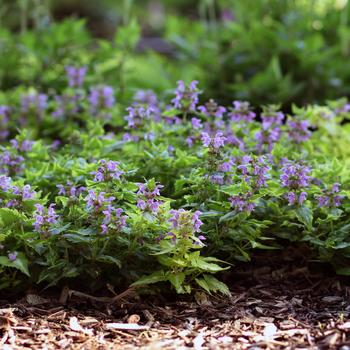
column 265, row 51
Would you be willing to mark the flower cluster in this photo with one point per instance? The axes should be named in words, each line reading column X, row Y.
column 241, row 112
column 95, row 202
column 107, row 171
column 76, row 76
column 17, row 195
column 149, row 99
column 147, row 197
column 44, row 219
column 270, row 131
column 215, row 142
column 138, row 114
column 254, row 170
column 70, row 190
column 34, row 103
column 243, row 202
column 186, row 97
column 100, row 98
column 299, row 130
column 223, row 175
column 22, row 146
column 113, row 220
column 11, row 163
column 330, row 198
column 185, row 224
column 214, row 114
column 295, row 177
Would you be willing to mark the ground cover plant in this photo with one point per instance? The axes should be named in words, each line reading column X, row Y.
column 164, row 190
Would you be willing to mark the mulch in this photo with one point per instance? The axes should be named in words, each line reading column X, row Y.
column 288, row 307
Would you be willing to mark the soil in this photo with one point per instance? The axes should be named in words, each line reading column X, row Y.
column 288, row 307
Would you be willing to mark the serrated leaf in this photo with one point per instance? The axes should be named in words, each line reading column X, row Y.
column 177, row 280
column 215, row 285
column 10, row 216
column 203, row 283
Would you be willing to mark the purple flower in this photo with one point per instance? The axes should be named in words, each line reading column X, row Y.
column 212, row 109
column 218, row 179
column 10, row 163
column 147, row 197
column 295, row 176
column 190, row 140
column 345, row 108
column 107, row 171
column 76, row 76
column 5, row 183
column 12, row 256
column 44, row 218
column 330, row 198
column 148, row 98
column 101, row 97
column 197, row 223
column 242, row 202
column 23, row 146
column 185, row 222
column 206, row 139
column 216, row 142
column 227, row 166
column 113, row 220
column 335, row 188
column 271, row 118
column 241, row 112
column 298, row 130
column 294, row 199
column 73, row 192
column 96, row 201
column 235, row 141
column 267, row 137
column 34, row 103
column 196, row 123
column 138, row 115
column 186, row 98
column 27, row 192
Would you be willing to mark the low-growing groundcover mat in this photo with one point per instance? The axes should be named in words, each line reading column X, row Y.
column 164, row 193
column 168, row 192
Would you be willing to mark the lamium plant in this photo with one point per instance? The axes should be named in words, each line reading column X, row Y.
column 164, row 190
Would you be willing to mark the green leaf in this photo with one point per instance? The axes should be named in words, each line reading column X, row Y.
column 227, row 217
column 305, row 216
column 129, row 35
column 155, row 277
column 215, row 285
column 10, row 216
column 21, row 263
column 202, row 264
column 177, row 280
column 203, row 283
column 109, row 260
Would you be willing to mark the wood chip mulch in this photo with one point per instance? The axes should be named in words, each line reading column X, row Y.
column 280, row 309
